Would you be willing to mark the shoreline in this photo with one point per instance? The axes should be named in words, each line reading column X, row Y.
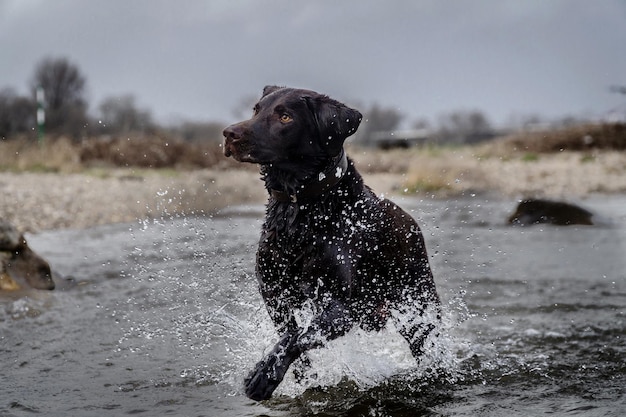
column 35, row 202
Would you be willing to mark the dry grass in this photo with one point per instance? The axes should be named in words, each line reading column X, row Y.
column 64, row 156
column 609, row 136
column 429, row 170
column 60, row 155
column 575, row 161
column 152, row 152
column 435, row 166
column 569, row 162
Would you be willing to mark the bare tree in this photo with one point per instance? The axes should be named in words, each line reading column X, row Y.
column 421, row 123
column 378, row 119
column 64, row 87
column 121, row 115
column 17, row 114
column 525, row 121
column 464, row 126
column 200, row 132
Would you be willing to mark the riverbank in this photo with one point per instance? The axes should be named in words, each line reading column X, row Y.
column 52, row 200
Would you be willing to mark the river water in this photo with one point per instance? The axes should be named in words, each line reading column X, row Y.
column 162, row 317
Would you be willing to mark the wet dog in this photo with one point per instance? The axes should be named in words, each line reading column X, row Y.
column 328, row 245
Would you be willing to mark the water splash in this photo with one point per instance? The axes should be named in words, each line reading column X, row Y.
column 199, row 300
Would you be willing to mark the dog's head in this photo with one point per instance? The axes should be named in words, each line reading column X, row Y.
column 290, row 125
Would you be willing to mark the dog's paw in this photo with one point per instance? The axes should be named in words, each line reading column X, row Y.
column 265, row 378
column 302, row 370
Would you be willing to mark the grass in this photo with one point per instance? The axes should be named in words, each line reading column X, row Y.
column 431, row 169
column 21, row 154
column 65, row 156
column 423, row 170
column 425, row 185
column 587, row 157
column 530, row 157
column 576, row 138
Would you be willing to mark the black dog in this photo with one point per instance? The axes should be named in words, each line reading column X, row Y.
column 328, row 244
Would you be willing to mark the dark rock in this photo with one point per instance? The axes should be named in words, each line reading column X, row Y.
column 536, row 211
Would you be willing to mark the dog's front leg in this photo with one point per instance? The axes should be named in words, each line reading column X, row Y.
column 270, row 371
column 332, row 322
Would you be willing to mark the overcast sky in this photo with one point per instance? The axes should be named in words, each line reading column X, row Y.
column 198, row 60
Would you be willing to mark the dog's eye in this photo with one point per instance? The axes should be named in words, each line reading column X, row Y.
column 255, row 110
column 285, row 118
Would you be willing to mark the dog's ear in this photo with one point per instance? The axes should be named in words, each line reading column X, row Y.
column 334, row 120
column 269, row 89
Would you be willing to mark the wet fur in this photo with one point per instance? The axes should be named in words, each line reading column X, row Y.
column 348, row 256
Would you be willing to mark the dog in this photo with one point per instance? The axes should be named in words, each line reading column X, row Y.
column 328, row 244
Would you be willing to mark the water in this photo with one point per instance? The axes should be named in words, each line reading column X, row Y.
column 163, row 318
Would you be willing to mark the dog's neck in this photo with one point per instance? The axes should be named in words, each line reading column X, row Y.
column 289, row 189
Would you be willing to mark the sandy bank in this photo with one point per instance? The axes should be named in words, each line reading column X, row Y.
column 41, row 201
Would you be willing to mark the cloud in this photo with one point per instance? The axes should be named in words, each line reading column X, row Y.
column 197, row 59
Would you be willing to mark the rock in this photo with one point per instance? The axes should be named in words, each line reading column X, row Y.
column 19, row 265
column 536, row 211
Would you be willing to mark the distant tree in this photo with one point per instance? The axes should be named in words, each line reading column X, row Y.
column 421, row 124
column 464, row 126
column 200, row 131
column 379, row 119
column 17, row 114
column 64, row 89
column 520, row 121
column 120, row 115
column 569, row 121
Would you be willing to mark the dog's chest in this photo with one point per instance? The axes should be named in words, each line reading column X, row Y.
column 306, row 244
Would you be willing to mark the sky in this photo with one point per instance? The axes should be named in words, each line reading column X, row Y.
column 200, row 60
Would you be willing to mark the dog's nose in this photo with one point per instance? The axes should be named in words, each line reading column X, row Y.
column 232, row 132
column 232, row 135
